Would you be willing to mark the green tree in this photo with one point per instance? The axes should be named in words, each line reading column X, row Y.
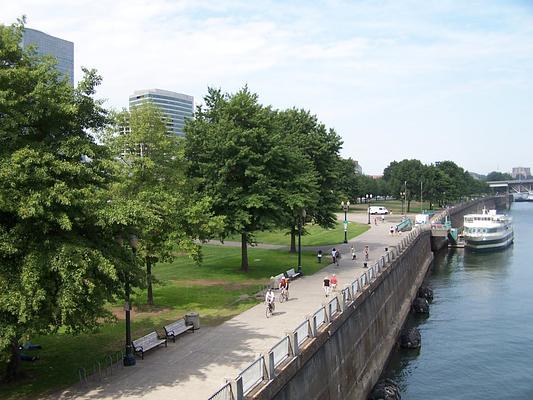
column 320, row 147
column 498, row 176
column 405, row 177
column 239, row 158
column 151, row 169
column 59, row 262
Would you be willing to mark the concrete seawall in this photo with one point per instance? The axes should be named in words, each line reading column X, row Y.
column 346, row 358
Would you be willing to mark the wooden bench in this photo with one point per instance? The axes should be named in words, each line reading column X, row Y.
column 147, row 342
column 291, row 274
column 177, row 328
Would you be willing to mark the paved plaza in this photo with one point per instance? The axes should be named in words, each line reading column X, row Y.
column 198, row 363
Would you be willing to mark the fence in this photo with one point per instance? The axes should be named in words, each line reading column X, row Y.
column 264, row 368
column 224, row 393
column 101, row 369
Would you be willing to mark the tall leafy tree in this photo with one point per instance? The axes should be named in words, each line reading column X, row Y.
column 320, row 146
column 405, row 176
column 238, row 157
column 59, row 262
column 151, row 170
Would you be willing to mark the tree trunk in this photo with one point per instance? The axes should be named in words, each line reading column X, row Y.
column 408, row 205
column 293, row 240
column 244, row 252
column 13, row 365
column 150, row 296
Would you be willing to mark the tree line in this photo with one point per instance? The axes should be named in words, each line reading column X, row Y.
column 92, row 199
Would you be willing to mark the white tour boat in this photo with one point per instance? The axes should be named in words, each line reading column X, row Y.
column 487, row 231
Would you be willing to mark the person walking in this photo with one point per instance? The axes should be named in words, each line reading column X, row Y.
column 319, row 256
column 391, row 230
column 326, row 286
column 337, row 257
column 333, row 282
column 366, row 253
column 353, row 253
column 334, row 255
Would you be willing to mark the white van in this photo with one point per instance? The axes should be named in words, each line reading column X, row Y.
column 378, row 210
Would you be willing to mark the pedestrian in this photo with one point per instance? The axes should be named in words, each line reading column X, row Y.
column 353, row 253
column 382, row 218
column 333, row 282
column 319, row 256
column 326, row 285
column 376, row 221
column 337, row 257
column 334, row 255
column 366, row 253
column 391, row 230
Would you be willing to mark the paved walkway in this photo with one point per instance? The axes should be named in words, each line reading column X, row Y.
column 197, row 364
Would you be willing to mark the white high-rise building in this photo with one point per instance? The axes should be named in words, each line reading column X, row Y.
column 176, row 107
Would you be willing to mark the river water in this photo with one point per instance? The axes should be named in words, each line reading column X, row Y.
column 477, row 342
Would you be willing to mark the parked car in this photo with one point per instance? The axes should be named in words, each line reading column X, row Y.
column 378, row 210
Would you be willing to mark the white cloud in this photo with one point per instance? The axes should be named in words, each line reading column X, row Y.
column 391, row 69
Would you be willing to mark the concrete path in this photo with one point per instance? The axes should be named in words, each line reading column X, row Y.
column 197, row 364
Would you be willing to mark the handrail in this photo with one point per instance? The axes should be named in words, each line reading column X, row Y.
column 280, row 351
column 252, row 375
column 224, row 393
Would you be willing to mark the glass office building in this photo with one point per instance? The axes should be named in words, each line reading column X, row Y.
column 176, row 107
column 61, row 49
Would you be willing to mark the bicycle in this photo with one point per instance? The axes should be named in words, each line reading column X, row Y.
column 270, row 309
column 284, row 295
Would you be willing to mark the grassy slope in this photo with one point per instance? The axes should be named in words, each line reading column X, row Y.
column 314, row 235
column 212, row 289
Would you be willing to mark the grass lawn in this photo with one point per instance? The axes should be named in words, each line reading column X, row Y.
column 392, row 205
column 314, row 235
column 215, row 290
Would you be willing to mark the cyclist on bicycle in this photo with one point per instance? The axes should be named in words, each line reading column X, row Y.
column 284, row 287
column 270, row 298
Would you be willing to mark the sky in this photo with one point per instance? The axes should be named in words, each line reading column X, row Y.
column 424, row 79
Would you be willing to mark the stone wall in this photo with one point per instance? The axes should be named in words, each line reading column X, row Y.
column 346, row 358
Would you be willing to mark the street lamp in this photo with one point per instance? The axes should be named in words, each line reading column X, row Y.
column 402, row 196
column 368, row 198
column 345, row 207
column 301, row 219
column 129, row 357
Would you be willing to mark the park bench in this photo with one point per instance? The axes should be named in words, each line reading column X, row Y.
column 147, row 342
column 291, row 274
column 177, row 328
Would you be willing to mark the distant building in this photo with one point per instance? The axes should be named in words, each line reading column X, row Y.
column 357, row 166
column 61, row 49
column 521, row 173
column 176, row 107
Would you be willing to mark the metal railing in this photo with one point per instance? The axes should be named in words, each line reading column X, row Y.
column 253, row 375
column 224, row 393
column 280, row 351
column 302, row 333
column 333, row 307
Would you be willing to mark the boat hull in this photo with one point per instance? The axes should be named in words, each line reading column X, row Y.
column 485, row 244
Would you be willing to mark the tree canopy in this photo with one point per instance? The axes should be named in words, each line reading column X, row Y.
column 59, row 262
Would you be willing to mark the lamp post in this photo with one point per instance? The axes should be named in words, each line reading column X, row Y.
column 402, row 196
column 301, row 218
column 345, row 207
column 368, row 198
column 129, row 357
